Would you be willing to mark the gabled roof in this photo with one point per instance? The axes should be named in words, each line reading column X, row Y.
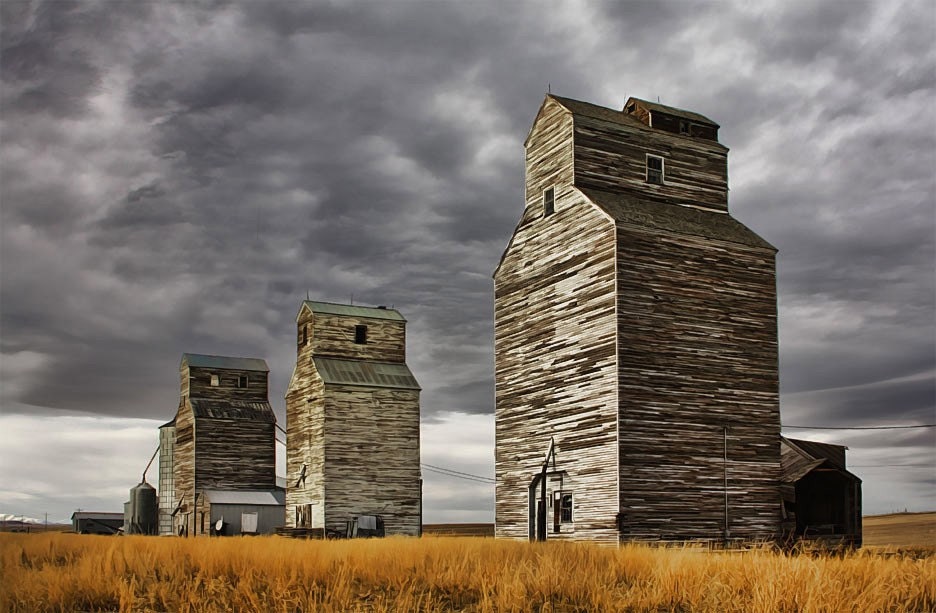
column 243, row 410
column 393, row 375
column 246, row 497
column 224, row 362
column 629, row 210
column 834, row 454
column 671, row 110
column 798, row 458
column 587, row 109
column 351, row 310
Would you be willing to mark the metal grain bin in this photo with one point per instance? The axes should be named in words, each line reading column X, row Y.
column 144, row 509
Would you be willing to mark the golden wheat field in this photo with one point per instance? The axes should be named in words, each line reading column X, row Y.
column 68, row 572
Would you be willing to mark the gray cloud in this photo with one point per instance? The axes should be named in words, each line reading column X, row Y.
column 176, row 177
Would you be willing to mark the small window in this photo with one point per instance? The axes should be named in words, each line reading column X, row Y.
column 654, row 169
column 215, row 381
column 549, row 202
column 683, row 126
column 360, row 335
column 242, row 381
column 566, row 509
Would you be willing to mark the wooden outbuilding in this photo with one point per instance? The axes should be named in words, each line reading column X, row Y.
column 821, row 498
column 352, row 421
column 635, row 337
column 223, row 437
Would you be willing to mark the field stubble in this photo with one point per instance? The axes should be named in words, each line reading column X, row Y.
column 66, row 572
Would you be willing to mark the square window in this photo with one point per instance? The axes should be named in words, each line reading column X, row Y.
column 655, row 170
column 215, row 380
column 360, row 335
column 683, row 126
column 242, row 381
column 549, row 202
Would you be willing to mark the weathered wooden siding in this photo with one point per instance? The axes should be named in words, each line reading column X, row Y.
column 548, row 160
column 333, row 336
column 228, row 443
column 184, row 461
column 305, row 433
column 198, row 384
column 360, row 444
column 613, row 157
column 234, row 454
column 372, row 457
column 555, row 364
column 697, row 352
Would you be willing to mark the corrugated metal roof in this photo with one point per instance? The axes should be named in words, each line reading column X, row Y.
column 365, row 374
column 219, row 361
column 246, row 497
column 233, row 409
column 684, row 219
column 97, row 515
column 353, row 310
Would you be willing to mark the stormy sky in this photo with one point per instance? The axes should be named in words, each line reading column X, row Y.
column 177, row 178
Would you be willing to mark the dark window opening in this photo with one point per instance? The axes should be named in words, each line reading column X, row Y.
column 683, row 127
column 360, row 335
column 654, row 169
column 305, row 334
column 565, row 509
column 549, row 202
column 242, row 381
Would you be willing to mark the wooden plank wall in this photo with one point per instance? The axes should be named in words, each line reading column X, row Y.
column 235, row 454
column 697, row 325
column 184, row 461
column 199, row 384
column 612, row 157
column 548, row 160
column 361, row 444
column 305, row 432
column 372, row 457
column 333, row 336
column 554, row 347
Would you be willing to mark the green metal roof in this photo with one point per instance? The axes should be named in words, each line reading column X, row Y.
column 219, row 361
column 366, row 374
column 351, row 310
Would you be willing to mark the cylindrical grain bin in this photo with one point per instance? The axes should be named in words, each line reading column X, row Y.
column 144, row 509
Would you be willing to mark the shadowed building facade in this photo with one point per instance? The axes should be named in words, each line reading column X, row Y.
column 221, row 447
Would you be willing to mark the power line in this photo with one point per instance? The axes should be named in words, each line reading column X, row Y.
column 889, row 465
column 860, row 427
column 484, row 481
column 456, row 473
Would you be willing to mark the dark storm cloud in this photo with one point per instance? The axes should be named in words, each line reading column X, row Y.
column 177, row 177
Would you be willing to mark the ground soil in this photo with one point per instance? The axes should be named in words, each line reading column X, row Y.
column 900, row 530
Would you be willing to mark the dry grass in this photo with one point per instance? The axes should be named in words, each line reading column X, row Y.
column 66, row 572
